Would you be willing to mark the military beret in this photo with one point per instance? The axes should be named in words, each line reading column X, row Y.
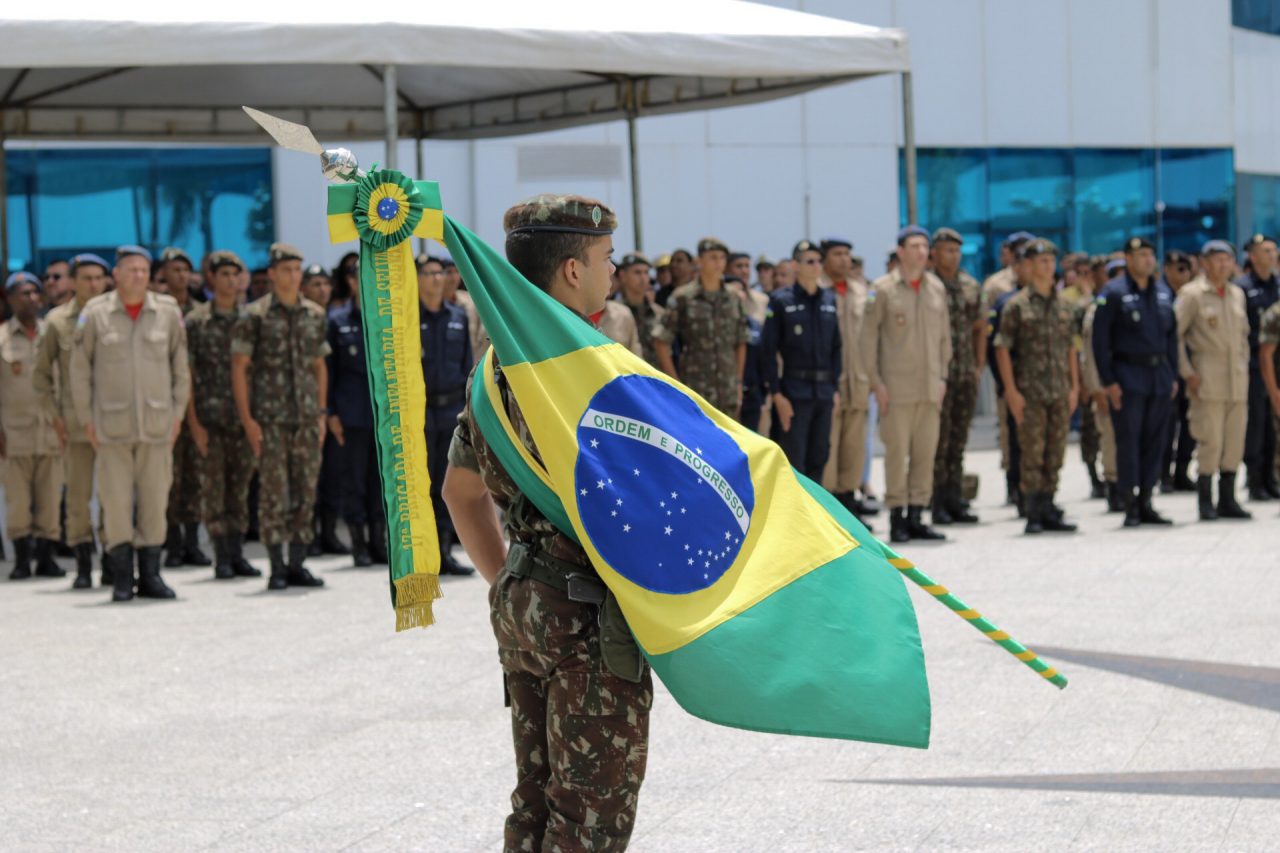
column 173, row 253
column 829, row 243
column 632, row 259
column 86, row 259
column 662, row 261
column 804, row 246
column 1038, row 246
column 1018, row 237
column 949, row 235
column 1133, row 244
column 281, row 252
column 1213, row 247
column 223, row 258
column 20, row 278
column 711, row 244
column 127, row 250
column 1258, row 240
column 560, row 213
column 1114, row 266
column 912, row 231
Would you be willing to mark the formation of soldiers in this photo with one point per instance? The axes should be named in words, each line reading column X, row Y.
column 160, row 389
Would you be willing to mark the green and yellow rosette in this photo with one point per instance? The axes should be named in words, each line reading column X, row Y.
column 383, row 210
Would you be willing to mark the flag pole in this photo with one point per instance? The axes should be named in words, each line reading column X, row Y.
column 976, row 619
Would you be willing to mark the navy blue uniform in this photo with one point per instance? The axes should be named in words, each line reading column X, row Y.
column 361, row 483
column 1135, row 344
column 446, row 363
column 804, row 330
column 1260, row 433
column 752, row 384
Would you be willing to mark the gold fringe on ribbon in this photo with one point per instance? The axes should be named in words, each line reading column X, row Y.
column 414, row 594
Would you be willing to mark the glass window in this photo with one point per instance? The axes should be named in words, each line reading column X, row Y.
column 1114, row 198
column 953, row 192
column 69, row 200
column 1260, row 15
column 1197, row 189
column 1259, row 204
column 1030, row 190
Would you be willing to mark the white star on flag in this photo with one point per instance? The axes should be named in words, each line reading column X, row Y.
column 636, row 471
column 595, row 443
column 599, row 484
column 582, row 492
column 726, row 536
column 668, row 529
column 626, row 528
column 674, row 495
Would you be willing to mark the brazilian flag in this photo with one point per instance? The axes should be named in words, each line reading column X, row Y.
column 760, row 602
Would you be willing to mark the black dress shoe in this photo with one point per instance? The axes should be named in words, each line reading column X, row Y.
column 1147, row 513
column 450, row 566
column 917, row 529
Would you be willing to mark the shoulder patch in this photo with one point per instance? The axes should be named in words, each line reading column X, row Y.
column 1101, row 300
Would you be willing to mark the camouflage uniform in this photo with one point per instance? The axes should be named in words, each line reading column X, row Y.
column 1038, row 332
column 579, row 690
column 997, row 284
column 228, row 466
column 964, row 303
column 709, row 328
column 184, row 494
column 648, row 316
column 1269, row 333
column 283, row 343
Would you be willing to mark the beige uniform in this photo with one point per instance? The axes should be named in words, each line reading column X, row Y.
column 33, row 475
column 618, row 324
column 52, row 383
column 906, row 346
column 1213, row 342
column 475, row 329
column 129, row 378
column 1092, row 383
column 996, row 285
column 848, row 454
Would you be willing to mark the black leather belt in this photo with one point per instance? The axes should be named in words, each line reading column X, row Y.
column 1139, row 359
column 447, row 398
column 809, row 376
column 579, row 583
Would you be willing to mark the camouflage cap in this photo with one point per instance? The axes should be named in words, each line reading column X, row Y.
column 281, row 252
column 948, row 235
column 1038, row 246
column 561, row 214
column 711, row 244
column 173, row 253
column 224, row 258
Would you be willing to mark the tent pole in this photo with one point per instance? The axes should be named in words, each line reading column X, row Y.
column 4, row 209
column 389, row 117
column 417, row 171
column 632, row 110
column 909, row 148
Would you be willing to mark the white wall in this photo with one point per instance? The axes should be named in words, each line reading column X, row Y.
column 1052, row 73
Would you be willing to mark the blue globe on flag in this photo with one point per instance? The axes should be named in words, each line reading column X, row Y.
column 665, row 494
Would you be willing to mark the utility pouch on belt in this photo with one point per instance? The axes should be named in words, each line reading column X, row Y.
column 618, row 649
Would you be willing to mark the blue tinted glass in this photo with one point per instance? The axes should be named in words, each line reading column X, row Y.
column 1260, row 15
column 1197, row 188
column 1030, row 190
column 64, row 201
column 1114, row 198
column 1259, row 204
column 953, row 193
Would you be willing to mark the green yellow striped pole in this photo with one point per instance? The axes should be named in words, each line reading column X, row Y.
column 976, row 619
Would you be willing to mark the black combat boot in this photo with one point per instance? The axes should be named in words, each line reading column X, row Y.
column 223, row 570
column 242, row 567
column 298, row 575
column 954, row 497
column 1181, row 482
column 359, row 546
column 378, row 541
column 1204, row 489
column 898, row 525
column 150, row 585
column 1097, row 489
column 1269, row 483
column 191, row 553
column 1114, row 502
column 1228, row 507
column 1131, row 514
column 84, row 566
column 279, row 571
column 941, row 515
column 46, row 566
column 1011, row 488
column 1031, row 502
column 1052, row 517
column 1257, row 486
column 917, row 529
column 108, row 568
column 450, row 566
column 21, row 559
column 120, row 558
column 173, row 547
column 329, row 541
column 1146, row 512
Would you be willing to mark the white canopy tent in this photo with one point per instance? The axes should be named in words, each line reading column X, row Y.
column 136, row 70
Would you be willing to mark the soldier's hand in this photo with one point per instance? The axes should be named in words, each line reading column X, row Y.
column 253, row 434
column 92, row 434
column 1100, row 401
column 1275, row 402
column 784, row 410
column 882, row 398
column 1016, row 402
column 1173, row 393
column 60, row 427
column 1193, row 385
column 322, row 428
column 1073, row 399
column 1114, row 395
column 335, row 427
column 177, row 430
column 200, row 437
